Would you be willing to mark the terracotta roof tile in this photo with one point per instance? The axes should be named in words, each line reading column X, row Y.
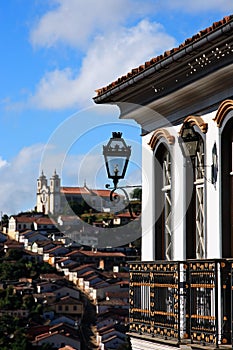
column 85, row 191
column 102, row 254
column 102, row 193
column 31, row 219
column 168, row 53
column 74, row 190
column 45, row 221
column 24, row 219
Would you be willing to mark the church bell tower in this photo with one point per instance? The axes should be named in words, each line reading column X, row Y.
column 55, row 197
column 42, row 197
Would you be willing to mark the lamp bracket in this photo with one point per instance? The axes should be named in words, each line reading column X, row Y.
column 115, row 197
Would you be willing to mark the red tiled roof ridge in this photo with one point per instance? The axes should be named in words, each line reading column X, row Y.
column 85, row 190
column 106, row 330
column 49, row 275
column 109, row 339
column 84, row 266
column 99, row 253
column 167, row 53
column 45, row 220
column 45, row 335
column 31, row 219
column 69, row 299
column 74, row 187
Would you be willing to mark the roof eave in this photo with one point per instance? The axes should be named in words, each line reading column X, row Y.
column 114, row 94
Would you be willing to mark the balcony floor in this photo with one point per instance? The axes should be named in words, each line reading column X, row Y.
column 160, row 343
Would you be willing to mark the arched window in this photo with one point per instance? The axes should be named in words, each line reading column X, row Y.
column 196, row 213
column 227, row 189
column 163, row 203
column 200, row 201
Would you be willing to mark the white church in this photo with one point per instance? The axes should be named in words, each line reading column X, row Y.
column 181, row 293
column 52, row 198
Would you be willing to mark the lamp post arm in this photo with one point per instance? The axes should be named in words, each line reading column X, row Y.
column 114, row 196
column 127, row 199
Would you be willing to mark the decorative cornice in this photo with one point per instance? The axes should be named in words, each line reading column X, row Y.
column 196, row 120
column 158, row 134
column 224, row 108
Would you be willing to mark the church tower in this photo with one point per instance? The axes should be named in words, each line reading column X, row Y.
column 42, row 197
column 55, row 196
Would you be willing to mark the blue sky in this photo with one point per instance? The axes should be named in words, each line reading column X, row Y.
column 54, row 55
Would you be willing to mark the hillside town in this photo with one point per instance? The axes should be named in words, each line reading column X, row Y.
column 66, row 292
column 145, row 261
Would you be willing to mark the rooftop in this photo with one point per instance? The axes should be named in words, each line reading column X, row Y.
column 148, row 64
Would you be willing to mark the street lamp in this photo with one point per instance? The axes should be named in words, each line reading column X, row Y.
column 188, row 141
column 116, row 155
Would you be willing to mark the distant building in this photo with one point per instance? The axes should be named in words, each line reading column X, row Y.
column 19, row 223
column 52, row 198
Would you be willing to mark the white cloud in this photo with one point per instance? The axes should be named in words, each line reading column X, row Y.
column 18, row 180
column 75, row 169
column 112, row 44
column 74, row 22
column 3, row 163
column 56, row 90
column 106, row 59
column 198, row 6
column 19, row 175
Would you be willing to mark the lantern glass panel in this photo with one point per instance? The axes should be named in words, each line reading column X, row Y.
column 116, row 154
column 116, row 165
column 190, row 148
column 189, row 141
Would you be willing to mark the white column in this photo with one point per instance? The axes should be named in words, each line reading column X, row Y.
column 179, row 203
column 213, row 196
column 148, row 202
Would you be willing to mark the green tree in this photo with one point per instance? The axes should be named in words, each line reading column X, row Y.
column 5, row 220
column 136, row 194
column 12, row 334
column 28, row 301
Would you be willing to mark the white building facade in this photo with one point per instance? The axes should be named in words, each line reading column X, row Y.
column 181, row 291
column 48, row 199
column 52, row 198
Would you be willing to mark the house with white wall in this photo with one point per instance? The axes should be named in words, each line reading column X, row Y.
column 181, row 291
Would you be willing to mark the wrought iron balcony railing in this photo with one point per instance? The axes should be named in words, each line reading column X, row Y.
column 187, row 301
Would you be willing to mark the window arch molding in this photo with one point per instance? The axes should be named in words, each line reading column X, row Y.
column 161, row 135
column 196, row 121
column 223, row 112
column 228, row 117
